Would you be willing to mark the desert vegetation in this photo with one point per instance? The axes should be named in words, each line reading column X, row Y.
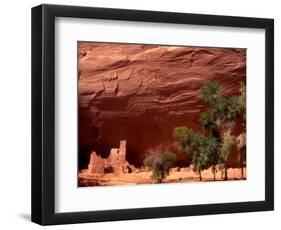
column 208, row 150
column 183, row 98
column 160, row 160
column 213, row 148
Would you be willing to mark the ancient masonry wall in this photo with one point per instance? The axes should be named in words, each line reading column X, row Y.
column 116, row 162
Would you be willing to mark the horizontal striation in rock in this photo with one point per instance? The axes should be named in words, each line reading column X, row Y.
column 141, row 92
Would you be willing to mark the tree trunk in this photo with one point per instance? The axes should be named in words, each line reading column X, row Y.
column 200, row 176
column 242, row 152
column 225, row 173
column 241, row 165
column 214, row 172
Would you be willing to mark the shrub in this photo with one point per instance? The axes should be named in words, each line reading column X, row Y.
column 160, row 161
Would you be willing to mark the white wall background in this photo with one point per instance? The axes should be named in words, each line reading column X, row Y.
column 15, row 113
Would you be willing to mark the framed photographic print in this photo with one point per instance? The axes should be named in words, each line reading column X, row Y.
column 141, row 114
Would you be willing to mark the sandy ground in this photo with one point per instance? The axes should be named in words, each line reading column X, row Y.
column 107, row 179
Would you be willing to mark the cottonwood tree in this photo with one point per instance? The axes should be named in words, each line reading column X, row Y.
column 228, row 141
column 202, row 149
column 241, row 147
column 217, row 120
column 221, row 111
column 241, row 139
column 221, row 116
column 242, row 102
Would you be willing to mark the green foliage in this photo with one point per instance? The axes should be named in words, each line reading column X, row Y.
column 212, row 95
column 202, row 149
column 233, row 108
column 242, row 101
column 187, row 138
column 219, row 119
column 211, row 92
column 208, row 121
column 160, row 161
column 205, row 154
column 222, row 111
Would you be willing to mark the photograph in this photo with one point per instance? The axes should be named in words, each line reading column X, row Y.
column 142, row 114
column 151, row 114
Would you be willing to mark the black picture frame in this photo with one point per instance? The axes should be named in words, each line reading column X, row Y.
column 43, row 110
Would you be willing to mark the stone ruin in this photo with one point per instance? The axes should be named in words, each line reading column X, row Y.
column 96, row 165
column 116, row 162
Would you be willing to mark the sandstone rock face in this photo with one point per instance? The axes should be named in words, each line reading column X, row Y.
column 141, row 92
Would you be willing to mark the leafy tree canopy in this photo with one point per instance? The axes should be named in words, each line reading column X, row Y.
column 222, row 111
column 202, row 149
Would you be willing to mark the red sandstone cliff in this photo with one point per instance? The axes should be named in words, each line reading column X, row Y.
column 140, row 93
